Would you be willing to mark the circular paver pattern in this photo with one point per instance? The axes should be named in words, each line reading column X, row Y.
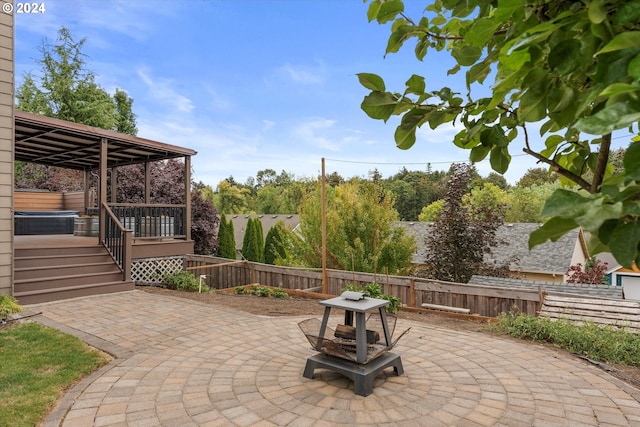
column 183, row 363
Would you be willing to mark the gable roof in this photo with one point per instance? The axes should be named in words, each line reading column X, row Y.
column 550, row 257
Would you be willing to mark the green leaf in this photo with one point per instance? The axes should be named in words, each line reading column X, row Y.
column 597, row 213
column 597, row 13
column 631, row 161
column 624, row 243
column 566, row 56
column 628, row 40
column 616, row 116
column 397, row 38
column 374, row 9
column 618, row 89
column 466, row 55
column 500, row 159
column 553, row 229
column 564, row 203
column 481, row 31
column 379, row 105
column 634, row 67
column 533, row 106
column 371, row 81
column 416, row 84
column 389, row 10
column 479, row 153
column 405, row 135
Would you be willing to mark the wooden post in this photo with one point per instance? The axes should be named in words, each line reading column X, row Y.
column 102, row 196
column 86, row 191
column 187, row 196
column 325, row 281
column 147, row 183
column 412, row 293
column 114, row 185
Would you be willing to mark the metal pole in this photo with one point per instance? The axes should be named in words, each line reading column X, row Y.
column 325, row 281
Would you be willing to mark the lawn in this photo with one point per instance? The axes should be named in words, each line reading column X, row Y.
column 37, row 365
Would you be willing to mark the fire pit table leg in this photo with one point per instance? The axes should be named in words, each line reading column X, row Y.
column 361, row 375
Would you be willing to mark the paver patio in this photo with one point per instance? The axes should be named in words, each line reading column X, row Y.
column 183, row 363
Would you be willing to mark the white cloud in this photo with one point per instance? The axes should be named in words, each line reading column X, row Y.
column 162, row 90
column 311, row 132
column 304, row 75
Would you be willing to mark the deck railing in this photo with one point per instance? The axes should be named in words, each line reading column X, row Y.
column 118, row 242
column 151, row 221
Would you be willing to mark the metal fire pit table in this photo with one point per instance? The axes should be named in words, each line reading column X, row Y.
column 362, row 371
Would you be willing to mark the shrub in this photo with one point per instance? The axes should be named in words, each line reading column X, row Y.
column 374, row 290
column 260, row 291
column 602, row 343
column 184, row 281
column 8, row 306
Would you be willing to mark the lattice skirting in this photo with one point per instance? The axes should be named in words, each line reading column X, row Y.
column 150, row 271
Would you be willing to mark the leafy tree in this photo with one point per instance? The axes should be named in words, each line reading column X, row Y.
column 231, row 198
column 226, row 238
column 66, row 90
column 486, row 199
column 431, row 212
column 204, row 222
column 525, row 204
column 594, row 271
column 536, row 176
column 462, row 234
column 275, row 244
column 572, row 65
column 361, row 234
column 497, row 180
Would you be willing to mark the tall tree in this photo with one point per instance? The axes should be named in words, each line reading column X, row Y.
column 230, row 198
column 250, row 243
column 462, row 233
column 66, row 89
column 361, row 234
column 226, row 238
column 204, row 222
column 572, row 65
column 274, row 244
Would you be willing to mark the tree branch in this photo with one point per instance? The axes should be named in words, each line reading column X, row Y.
column 560, row 170
column 601, row 165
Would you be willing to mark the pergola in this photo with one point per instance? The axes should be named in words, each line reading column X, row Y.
column 54, row 142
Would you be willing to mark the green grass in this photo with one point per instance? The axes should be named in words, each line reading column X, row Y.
column 37, row 364
column 597, row 342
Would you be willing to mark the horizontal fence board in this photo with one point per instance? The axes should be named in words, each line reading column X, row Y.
column 412, row 291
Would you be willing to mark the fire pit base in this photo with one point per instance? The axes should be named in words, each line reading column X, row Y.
column 361, row 375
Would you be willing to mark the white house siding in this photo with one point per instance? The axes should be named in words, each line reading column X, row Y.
column 6, row 152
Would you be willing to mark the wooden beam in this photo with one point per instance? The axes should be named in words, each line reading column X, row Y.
column 187, row 196
column 102, row 192
column 114, row 185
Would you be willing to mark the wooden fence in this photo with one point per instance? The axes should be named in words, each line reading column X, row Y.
column 48, row 201
column 413, row 292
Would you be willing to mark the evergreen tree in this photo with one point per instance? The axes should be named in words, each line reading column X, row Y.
column 226, row 238
column 250, row 249
column 257, row 228
column 274, row 246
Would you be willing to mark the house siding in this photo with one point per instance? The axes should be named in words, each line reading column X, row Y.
column 6, row 152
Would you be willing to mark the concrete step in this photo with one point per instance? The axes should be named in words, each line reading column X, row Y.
column 66, row 292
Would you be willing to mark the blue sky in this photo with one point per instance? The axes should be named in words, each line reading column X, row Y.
column 254, row 84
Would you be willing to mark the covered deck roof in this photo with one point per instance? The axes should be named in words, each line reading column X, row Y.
column 55, row 142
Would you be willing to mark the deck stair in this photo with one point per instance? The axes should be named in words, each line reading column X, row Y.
column 43, row 274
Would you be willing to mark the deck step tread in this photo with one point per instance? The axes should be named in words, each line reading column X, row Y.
column 69, row 276
column 63, row 266
column 71, row 288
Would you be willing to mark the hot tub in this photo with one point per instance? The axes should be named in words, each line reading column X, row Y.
column 28, row 223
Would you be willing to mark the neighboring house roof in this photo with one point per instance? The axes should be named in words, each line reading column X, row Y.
column 601, row 291
column 240, row 224
column 513, row 238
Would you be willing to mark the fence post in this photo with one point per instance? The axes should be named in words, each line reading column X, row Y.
column 412, row 293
